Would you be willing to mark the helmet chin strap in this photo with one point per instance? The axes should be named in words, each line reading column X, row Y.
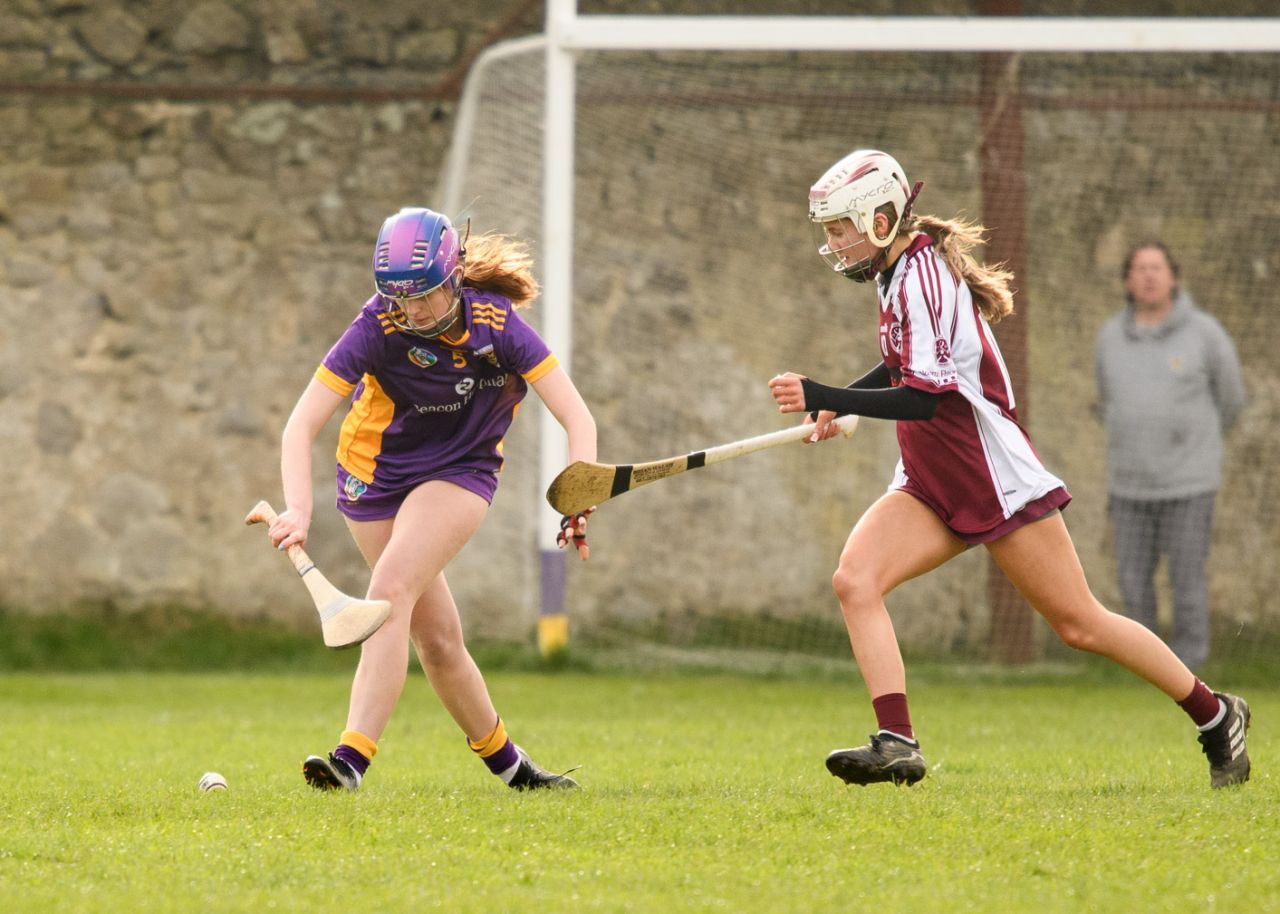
column 445, row 324
column 441, row 327
column 877, row 263
column 864, row 271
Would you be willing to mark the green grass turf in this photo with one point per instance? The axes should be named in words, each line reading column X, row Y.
column 700, row 793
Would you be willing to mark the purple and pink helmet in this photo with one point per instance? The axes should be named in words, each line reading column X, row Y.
column 418, row 250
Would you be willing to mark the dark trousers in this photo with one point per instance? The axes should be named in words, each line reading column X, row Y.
column 1179, row 529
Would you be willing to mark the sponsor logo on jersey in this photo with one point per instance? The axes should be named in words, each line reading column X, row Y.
column 466, row 389
column 421, row 357
column 941, row 351
column 439, row 407
column 353, row 488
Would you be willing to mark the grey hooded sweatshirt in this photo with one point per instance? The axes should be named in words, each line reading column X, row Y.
column 1168, row 395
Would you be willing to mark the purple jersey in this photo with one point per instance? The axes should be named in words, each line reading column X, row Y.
column 425, row 406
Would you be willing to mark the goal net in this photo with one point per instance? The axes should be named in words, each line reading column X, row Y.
column 695, row 280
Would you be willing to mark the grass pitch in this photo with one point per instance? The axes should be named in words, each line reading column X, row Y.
column 700, row 793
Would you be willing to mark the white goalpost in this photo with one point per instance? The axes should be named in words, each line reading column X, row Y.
column 569, row 35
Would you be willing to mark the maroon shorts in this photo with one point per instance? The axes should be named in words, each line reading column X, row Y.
column 1029, row 513
column 362, row 502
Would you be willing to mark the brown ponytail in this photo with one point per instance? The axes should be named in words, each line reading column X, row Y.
column 498, row 263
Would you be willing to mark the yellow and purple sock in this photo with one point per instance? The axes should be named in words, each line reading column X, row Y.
column 356, row 749
column 497, row 752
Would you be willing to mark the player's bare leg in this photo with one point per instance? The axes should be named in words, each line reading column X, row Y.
column 433, row 524
column 897, row 539
column 1040, row 559
column 436, row 632
column 405, row 553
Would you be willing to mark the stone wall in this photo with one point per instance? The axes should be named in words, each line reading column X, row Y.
column 188, row 195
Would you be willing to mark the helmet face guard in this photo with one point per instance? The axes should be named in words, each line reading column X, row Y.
column 854, row 189
column 397, row 308
column 845, row 248
column 417, row 252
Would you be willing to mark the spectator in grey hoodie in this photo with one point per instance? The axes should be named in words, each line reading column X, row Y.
column 1169, row 388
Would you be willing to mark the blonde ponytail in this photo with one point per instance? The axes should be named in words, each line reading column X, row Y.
column 954, row 239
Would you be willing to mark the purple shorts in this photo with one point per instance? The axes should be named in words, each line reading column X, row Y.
column 362, row 502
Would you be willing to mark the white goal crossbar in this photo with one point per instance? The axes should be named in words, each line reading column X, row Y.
column 917, row 33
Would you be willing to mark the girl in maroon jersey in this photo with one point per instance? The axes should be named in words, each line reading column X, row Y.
column 968, row 473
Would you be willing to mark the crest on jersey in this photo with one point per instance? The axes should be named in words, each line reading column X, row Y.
column 353, row 488
column 487, row 353
column 941, row 352
column 895, row 337
column 421, row 357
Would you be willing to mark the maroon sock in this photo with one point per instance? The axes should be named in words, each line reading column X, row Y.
column 892, row 714
column 1201, row 705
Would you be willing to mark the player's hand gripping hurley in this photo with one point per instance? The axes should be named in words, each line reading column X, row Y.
column 344, row 620
column 583, row 484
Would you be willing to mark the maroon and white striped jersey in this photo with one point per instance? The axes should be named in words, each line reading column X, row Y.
column 972, row 463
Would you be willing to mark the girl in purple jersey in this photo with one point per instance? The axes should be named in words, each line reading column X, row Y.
column 438, row 361
column 968, row 472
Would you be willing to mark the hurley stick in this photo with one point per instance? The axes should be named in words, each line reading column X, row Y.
column 583, row 484
column 345, row 621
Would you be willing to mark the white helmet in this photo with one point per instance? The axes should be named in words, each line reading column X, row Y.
column 854, row 188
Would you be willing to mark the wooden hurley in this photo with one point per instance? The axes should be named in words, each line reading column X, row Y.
column 583, row 484
column 344, row 620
